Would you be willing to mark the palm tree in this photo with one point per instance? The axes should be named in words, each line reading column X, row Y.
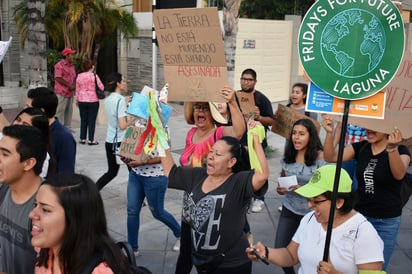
column 80, row 24
column 230, row 25
column 35, row 11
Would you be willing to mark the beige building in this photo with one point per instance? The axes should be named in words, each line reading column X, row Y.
column 268, row 46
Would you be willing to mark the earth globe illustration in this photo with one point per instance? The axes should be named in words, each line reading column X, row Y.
column 353, row 43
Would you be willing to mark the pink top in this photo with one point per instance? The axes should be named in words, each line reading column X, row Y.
column 86, row 88
column 194, row 154
column 67, row 72
column 102, row 268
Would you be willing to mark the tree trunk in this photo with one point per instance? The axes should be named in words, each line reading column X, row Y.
column 230, row 25
column 36, row 43
column 95, row 55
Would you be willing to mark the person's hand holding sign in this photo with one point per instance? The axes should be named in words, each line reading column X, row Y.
column 256, row 114
column 394, row 138
column 228, row 93
column 327, row 123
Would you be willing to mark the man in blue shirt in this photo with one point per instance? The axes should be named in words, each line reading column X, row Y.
column 63, row 144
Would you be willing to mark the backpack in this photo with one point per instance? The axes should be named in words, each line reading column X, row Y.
column 128, row 252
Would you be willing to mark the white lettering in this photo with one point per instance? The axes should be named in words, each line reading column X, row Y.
column 214, row 222
column 357, row 87
column 384, row 8
column 368, row 176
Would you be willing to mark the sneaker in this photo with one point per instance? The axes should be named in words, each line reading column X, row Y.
column 280, row 209
column 136, row 253
column 257, row 205
column 176, row 246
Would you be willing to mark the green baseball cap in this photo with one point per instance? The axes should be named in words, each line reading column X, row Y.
column 322, row 180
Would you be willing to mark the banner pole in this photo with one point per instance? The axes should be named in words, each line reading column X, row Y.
column 336, row 181
column 154, row 50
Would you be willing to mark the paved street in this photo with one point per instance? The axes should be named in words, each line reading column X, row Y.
column 156, row 240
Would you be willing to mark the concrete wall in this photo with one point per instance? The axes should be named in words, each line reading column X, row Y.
column 13, row 62
column 270, row 57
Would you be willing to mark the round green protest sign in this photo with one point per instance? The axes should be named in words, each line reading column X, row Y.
column 351, row 49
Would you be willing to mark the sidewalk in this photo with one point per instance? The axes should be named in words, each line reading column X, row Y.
column 156, row 240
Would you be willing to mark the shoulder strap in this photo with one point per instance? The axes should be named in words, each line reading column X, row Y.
column 313, row 214
column 238, row 104
column 3, row 191
column 128, row 251
column 96, row 86
column 117, row 122
column 97, row 259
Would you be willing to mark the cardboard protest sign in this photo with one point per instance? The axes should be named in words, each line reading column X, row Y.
column 398, row 109
column 285, row 118
column 246, row 102
column 129, row 144
column 191, row 46
column 320, row 101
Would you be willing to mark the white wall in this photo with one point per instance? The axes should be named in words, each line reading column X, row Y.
column 271, row 58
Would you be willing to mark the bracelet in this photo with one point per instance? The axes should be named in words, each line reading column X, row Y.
column 266, row 252
column 390, row 149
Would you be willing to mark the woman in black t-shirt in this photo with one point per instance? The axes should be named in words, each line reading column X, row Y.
column 218, row 198
column 381, row 168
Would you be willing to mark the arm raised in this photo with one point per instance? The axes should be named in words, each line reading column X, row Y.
column 329, row 152
column 167, row 162
column 238, row 122
column 260, row 177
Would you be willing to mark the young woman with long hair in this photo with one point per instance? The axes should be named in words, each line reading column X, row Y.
column 303, row 155
column 117, row 122
column 69, row 226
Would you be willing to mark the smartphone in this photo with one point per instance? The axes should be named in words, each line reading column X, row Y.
column 259, row 257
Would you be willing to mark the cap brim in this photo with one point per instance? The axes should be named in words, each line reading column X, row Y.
column 68, row 51
column 216, row 115
column 310, row 191
column 188, row 112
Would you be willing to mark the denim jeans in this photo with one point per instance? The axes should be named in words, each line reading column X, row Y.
column 287, row 226
column 387, row 229
column 154, row 189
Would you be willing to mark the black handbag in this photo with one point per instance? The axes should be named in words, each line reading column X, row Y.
column 406, row 190
column 100, row 93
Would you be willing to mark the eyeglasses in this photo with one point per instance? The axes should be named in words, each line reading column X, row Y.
column 247, row 79
column 314, row 202
column 204, row 108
